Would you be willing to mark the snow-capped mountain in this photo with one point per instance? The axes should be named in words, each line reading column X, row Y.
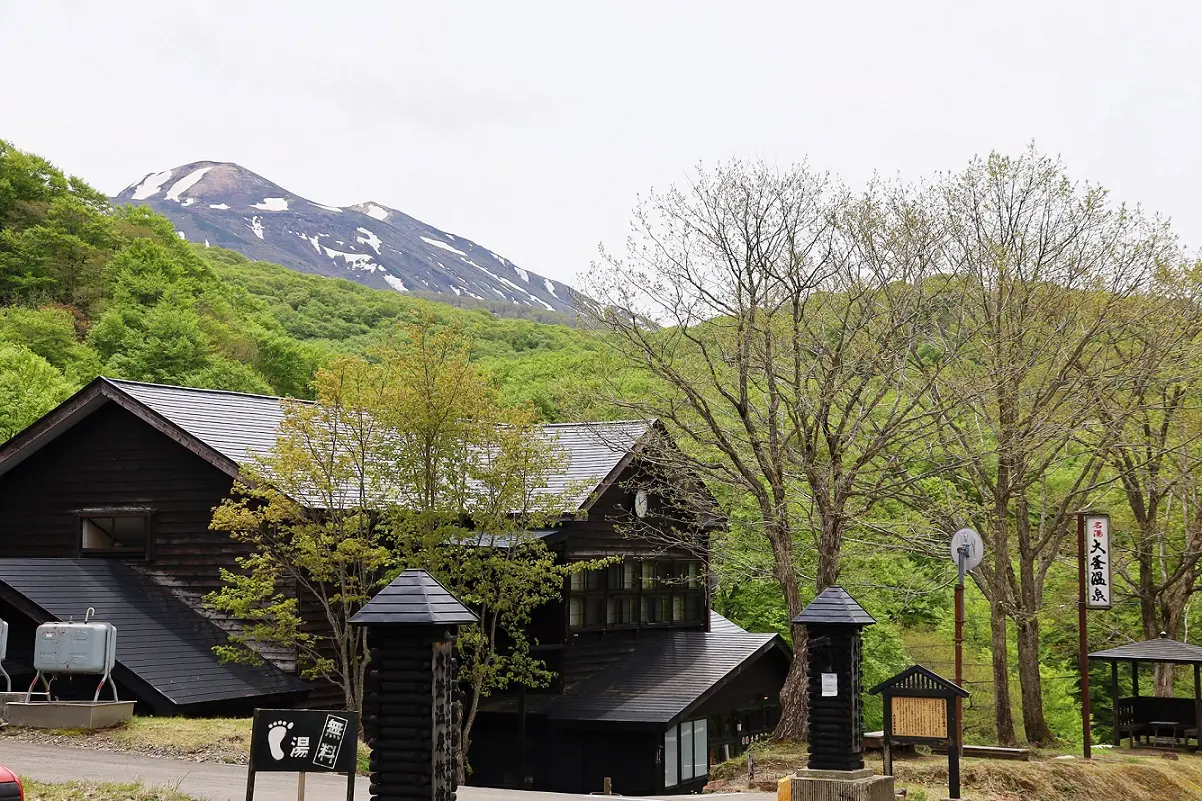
column 225, row 205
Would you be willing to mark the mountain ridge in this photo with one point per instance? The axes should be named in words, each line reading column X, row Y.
column 226, row 205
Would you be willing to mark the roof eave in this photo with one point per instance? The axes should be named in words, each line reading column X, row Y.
column 82, row 404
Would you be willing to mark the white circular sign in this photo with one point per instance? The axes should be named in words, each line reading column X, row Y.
column 971, row 540
column 640, row 503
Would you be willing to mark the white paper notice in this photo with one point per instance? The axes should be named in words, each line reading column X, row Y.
column 830, row 684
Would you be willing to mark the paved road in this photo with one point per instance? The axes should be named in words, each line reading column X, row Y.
column 214, row 782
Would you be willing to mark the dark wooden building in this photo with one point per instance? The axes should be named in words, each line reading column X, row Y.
column 108, row 500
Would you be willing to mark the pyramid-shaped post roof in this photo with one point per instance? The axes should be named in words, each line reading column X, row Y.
column 414, row 598
column 835, row 607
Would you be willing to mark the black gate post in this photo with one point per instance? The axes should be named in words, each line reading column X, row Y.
column 408, row 716
column 835, row 770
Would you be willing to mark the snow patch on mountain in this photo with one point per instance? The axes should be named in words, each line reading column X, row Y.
column 354, row 261
column 256, row 225
column 271, row 204
column 187, row 182
column 396, row 283
column 376, row 213
column 334, row 209
column 151, row 185
column 550, row 286
column 443, row 245
column 369, row 239
column 221, row 206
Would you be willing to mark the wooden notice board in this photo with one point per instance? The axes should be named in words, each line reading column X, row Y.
column 919, row 717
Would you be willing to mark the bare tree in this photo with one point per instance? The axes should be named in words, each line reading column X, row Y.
column 794, row 359
column 1154, row 432
column 1042, row 266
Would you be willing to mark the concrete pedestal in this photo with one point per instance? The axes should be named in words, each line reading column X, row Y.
column 70, row 714
column 837, row 785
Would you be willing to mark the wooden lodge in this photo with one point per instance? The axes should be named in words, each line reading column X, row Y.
column 108, row 500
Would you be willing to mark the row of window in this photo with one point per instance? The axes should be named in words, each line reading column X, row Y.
column 633, row 575
column 634, row 593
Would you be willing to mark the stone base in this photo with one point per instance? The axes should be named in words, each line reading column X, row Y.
column 70, row 714
column 836, row 785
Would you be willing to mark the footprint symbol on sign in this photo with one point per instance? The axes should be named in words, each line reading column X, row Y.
column 275, row 738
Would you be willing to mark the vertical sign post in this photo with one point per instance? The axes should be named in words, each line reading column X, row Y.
column 967, row 552
column 1094, row 589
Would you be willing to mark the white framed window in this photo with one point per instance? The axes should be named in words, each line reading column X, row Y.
column 686, row 750
column 671, row 759
column 700, row 748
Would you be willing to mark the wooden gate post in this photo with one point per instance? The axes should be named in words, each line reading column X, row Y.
column 408, row 716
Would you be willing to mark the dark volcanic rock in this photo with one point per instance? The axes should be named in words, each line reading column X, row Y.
column 227, row 206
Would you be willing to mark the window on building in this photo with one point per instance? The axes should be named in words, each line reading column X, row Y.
column 653, row 592
column 671, row 759
column 115, row 534
column 686, row 752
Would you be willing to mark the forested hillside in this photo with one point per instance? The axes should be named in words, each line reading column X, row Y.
column 89, row 289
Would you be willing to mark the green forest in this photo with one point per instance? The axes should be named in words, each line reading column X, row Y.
column 854, row 374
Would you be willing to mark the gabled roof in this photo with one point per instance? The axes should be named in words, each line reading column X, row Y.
column 722, row 625
column 834, row 606
column 164, row 647
column 664, row 677
column 918, row 678
column 414, row 598
column 229, row 428
column 1162, row 649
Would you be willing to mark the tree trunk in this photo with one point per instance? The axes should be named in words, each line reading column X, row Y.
column 794, row 696
column 1034, row 723
column 1003, row 719
column 794, row 700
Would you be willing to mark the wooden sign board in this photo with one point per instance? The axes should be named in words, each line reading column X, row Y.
column 919, row 717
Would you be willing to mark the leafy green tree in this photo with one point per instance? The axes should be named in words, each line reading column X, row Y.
column 403, row 461
column 29, row 387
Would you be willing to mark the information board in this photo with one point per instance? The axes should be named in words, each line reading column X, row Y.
column 919, row 717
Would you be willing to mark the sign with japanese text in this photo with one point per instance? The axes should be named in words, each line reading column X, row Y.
column 304, row 740
column 1097, row 562
column 919, row 717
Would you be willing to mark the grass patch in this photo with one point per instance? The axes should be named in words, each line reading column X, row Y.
column 99, row 791
column 199, row 739
column 1112, row 775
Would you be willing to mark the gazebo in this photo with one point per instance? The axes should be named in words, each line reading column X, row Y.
column 1146, row 716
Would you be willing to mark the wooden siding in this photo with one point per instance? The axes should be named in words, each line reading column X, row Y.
column 111, row 458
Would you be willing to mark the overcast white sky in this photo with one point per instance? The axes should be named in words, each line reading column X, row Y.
column 532, row 127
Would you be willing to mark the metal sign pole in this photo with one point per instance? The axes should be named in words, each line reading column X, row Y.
column 962, row 552
column 1083, row 635
column 250, row 775
column 300, row 786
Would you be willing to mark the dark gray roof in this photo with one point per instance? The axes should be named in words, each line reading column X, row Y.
column 1162, row 649
column 238, row 426
column 414, row 598
column 161, row 640
column 721, row 625
column 663, row 677
column 833, row 605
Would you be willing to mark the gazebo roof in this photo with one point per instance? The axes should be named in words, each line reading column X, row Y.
column 1162, row 649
